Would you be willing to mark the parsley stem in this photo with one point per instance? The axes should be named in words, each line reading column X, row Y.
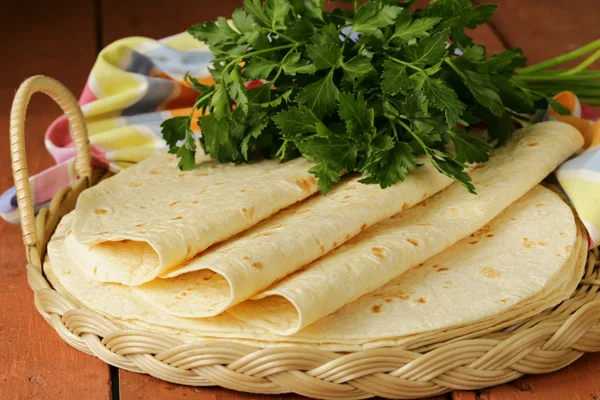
column 417, row 138
column 588, row 48
column 394, row 129
column 409, row 65
column 454, row 67
column 281, row 35
column 581, row 76
column 584, row 64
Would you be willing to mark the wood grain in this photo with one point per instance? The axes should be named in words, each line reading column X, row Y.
column 39, row 38
column 545, row 29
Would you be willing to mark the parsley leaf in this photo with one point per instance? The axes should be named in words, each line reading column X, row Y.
column 320, row 97
column 366, row 89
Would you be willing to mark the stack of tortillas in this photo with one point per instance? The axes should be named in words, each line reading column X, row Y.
column 255, row 254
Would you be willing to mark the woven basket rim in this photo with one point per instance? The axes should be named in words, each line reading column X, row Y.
column 546, row 342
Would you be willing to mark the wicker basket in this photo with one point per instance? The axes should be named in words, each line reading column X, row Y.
column 544, row 343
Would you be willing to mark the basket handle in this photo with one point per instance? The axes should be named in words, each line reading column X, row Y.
column 69, row 105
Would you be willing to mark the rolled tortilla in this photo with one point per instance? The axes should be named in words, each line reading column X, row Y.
column 239, row 268
column 391, row 247
column 466, row 289
column 152, row 217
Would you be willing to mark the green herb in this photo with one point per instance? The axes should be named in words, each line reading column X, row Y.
column 365, row 90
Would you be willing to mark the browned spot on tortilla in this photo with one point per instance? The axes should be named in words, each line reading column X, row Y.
column 95, row 270
column 321, row 247
column 557, row 255
column 135, row 184
column 378, row 252
column 175, row 202
column 182, row 175
column 247, row 213
column 540, row 204
column 532, row 144
column 567, row 248
column 421, row 300
column 141, row 225
column 503, row 300
column 278, row 226
column 363, row 227
column 306, row 183
column 542, row 243
column 484, row 230
column 376, row 308
column 478, row 166
column 474, row 242
column 419, row 265
column 513, row 219
column 404, row 297
column 245, row 258
column 412, row 241
column 448, row 282
column 442, row 269
column 219, row 183
column 181, row 295
column 490, row 235
column 244, row 190
column 302, row 211
column 425, row 224
column 388, row 300
column 528, row 243
column 404, row 206
column 214, row 166
column 347, row 197
column 200, row 192
column 153, row 198
column 154, row 171
column 490, row 272
column 195, row 202
column 563, row 234
column 125, row 207
column 200, row 174
column 350, row 187
column 335, row 244
column 69, row 232
column 142, row 207
column 257, row 265
column 177, row 218
column 100, row 211
column 188, row 250
column 347, row 237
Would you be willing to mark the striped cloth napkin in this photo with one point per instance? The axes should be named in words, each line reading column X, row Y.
column 137, row 83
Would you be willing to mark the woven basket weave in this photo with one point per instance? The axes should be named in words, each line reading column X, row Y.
column 544, row 343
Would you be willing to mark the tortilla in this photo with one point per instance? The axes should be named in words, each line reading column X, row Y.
column 152, row 217
column 391, row 247
column 230, row 273
column 530, row 275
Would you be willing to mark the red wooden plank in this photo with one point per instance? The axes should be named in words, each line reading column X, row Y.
column 40, row 37
column 545, row 29
column 577, row 381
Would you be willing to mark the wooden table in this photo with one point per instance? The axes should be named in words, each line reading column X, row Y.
column 61, row 39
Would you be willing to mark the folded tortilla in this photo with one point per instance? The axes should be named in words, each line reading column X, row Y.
column 531, row 258
column 152, row 217
column 391, row 247
column 230, row 273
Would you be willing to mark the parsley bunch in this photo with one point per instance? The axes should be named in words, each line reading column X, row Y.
column 366, row 89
